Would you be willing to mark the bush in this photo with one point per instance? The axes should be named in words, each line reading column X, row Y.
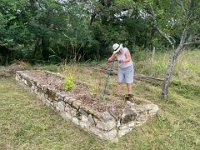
column 69, row 83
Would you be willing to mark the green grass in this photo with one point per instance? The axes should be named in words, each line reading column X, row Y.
column 26, row 123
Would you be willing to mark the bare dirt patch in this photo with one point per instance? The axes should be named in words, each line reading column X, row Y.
column 80, row 92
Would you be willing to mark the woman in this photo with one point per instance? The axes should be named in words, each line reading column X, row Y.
column 125, row 71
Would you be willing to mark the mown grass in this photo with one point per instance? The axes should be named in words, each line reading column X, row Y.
column 26, row 123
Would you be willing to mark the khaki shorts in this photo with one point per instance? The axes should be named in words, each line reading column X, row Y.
column 126, row 74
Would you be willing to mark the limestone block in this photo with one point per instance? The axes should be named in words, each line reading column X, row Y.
column 139, row 123
column 131, row 124
column 152, row 109
column 124, row 131
column 67, row 98
column 75, row 120
column 106, row 116
column 60, row 106
column 60, row 96
column 140, row 109
column 91, row 120
column 47, row 102
column 127, row 126
column 128, row 115
column 110, row 135
column 84, row 118
column 116, row 113
column 96, row 131
column 105, row 126
column 44, row 88
column 67, row 108
column 25, row 82
column 51, row 94
column 95, row 113
column 84, row 125
column 83, row 112
column 76, row 104
column 66, row 115
column 142, row 117
column 118, row 123
column 73, row 112
column 71, row 100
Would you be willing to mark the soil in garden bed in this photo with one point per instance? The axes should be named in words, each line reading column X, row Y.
column 80, row 92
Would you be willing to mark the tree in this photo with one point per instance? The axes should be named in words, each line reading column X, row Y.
column 183, row 17
column 14, row 34
column 188, row 36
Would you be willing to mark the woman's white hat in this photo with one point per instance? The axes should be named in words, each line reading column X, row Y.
column 117, row 47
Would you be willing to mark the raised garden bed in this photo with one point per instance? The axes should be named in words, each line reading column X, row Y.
column 107, row 119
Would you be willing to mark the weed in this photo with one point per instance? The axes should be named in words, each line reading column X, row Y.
column 69, row 83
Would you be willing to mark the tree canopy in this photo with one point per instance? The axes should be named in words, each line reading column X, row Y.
column 58, row 30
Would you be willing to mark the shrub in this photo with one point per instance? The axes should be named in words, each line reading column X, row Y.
column 69, row 83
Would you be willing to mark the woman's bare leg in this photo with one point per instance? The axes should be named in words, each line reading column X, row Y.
column 119, row 87
column 129, row 88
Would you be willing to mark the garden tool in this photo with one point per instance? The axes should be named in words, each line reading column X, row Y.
column 107, row 79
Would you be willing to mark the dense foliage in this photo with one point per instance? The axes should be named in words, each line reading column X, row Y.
column 65, row 30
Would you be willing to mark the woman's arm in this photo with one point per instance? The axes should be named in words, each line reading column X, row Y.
column 113, row 57
column 128, row 57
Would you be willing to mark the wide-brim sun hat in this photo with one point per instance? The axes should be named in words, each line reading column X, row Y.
column 117, row 47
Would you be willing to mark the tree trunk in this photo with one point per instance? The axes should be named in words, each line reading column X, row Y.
column 152, row 35
column 92, row 18
column 5, row 55
column 171, row 64
column 45, row 48
column 36, row 48
column 173, row 60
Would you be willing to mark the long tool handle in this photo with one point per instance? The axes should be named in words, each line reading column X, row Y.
column 104, row 92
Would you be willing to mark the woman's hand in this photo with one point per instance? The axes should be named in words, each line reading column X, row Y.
column 109, row 60
column 121, row 61
column 113, row 57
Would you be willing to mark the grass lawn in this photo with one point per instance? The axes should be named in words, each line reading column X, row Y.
column 26, row 123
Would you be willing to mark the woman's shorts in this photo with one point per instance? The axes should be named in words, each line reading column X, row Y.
column 126, row 74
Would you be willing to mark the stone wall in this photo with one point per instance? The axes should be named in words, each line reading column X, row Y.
column 108, row 125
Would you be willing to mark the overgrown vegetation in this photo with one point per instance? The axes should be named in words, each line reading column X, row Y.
column 26, row 123
column 73, row 30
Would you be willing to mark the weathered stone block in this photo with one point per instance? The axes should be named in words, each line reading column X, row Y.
column 60, row 96
column 152, row 109
column 76, row 104
column 68, row 108
column 105, row 126
column 91, row 120
column 84, row 125
column 83, row 112
column 110, row 135
column 84, row 118
column 71, row 100
column 124, row 131
column 61, row 106
column 73, row 112
column 75, row 120
column 106, row 116
column 66, row 115
column 67, row 98
column 128, row 115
